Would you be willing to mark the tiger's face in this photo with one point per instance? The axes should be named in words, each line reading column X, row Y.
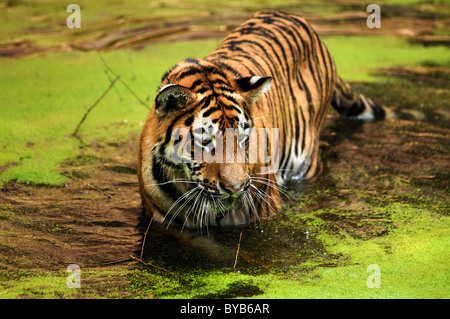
column 202, row 154
column 212, row 153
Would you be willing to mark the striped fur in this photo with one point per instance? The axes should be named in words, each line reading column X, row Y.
column 271, row 72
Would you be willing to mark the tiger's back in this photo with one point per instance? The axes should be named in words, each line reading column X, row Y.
column 229, row 89
column 286, row 48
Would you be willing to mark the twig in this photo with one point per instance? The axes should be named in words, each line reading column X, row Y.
column 90, row 185
column 74, row 134
column 115, row 87
column 142, row 252
column 237, row 252
column 123, row 82
column 145, row 237
column 151, row 265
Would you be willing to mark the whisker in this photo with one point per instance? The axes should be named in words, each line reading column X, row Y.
column 206, row 210
column 278, row 172
column 214, row 201
column 263, row 194
column 206, row 214
column 272, row 186
column 243, row 199
column 193, row 207
column 282, row 189
column 252, row 204
column 176, row 202
column 180, row 209
column 260, row 194
column 184, row 196
column 203, row 214
column 244, row 213
column 268, row 115
column 172, row 181
column 272, row 182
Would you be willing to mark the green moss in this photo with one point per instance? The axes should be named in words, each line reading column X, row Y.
column 358, row 57
column 412, row 257
column 95, row 283
column 35, row 286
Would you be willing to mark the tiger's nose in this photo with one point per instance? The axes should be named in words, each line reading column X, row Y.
column 232, row 178
column 234, row 188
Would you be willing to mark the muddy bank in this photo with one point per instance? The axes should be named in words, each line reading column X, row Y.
column 426, row 24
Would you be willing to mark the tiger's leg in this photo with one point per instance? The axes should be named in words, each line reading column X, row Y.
column 315, row 165
column 353, row 105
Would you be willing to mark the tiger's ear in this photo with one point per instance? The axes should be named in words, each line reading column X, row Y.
column 172, row 97
column 253, row 87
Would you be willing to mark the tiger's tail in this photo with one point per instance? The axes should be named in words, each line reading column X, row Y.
column 353, row 105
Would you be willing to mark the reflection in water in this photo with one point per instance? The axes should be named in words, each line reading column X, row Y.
column 283, row 241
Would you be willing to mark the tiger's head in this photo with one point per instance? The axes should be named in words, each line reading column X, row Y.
column 196, row 149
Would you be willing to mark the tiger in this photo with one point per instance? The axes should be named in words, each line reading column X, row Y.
column 272, row 74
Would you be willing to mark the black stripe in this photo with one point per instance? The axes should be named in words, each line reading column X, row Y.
column 214, row 70
column 192, row 60
column 210, row 111
column 230, row 99
column 190, row 71
column 189, row 121
column 284, row 30
column 232, row 107
column 301, row 83
column 172, row 124
column 203, row 90
column 224, row 65
column 158, row 174
column 195, row 84
column 205, row 102
column 305, row 27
